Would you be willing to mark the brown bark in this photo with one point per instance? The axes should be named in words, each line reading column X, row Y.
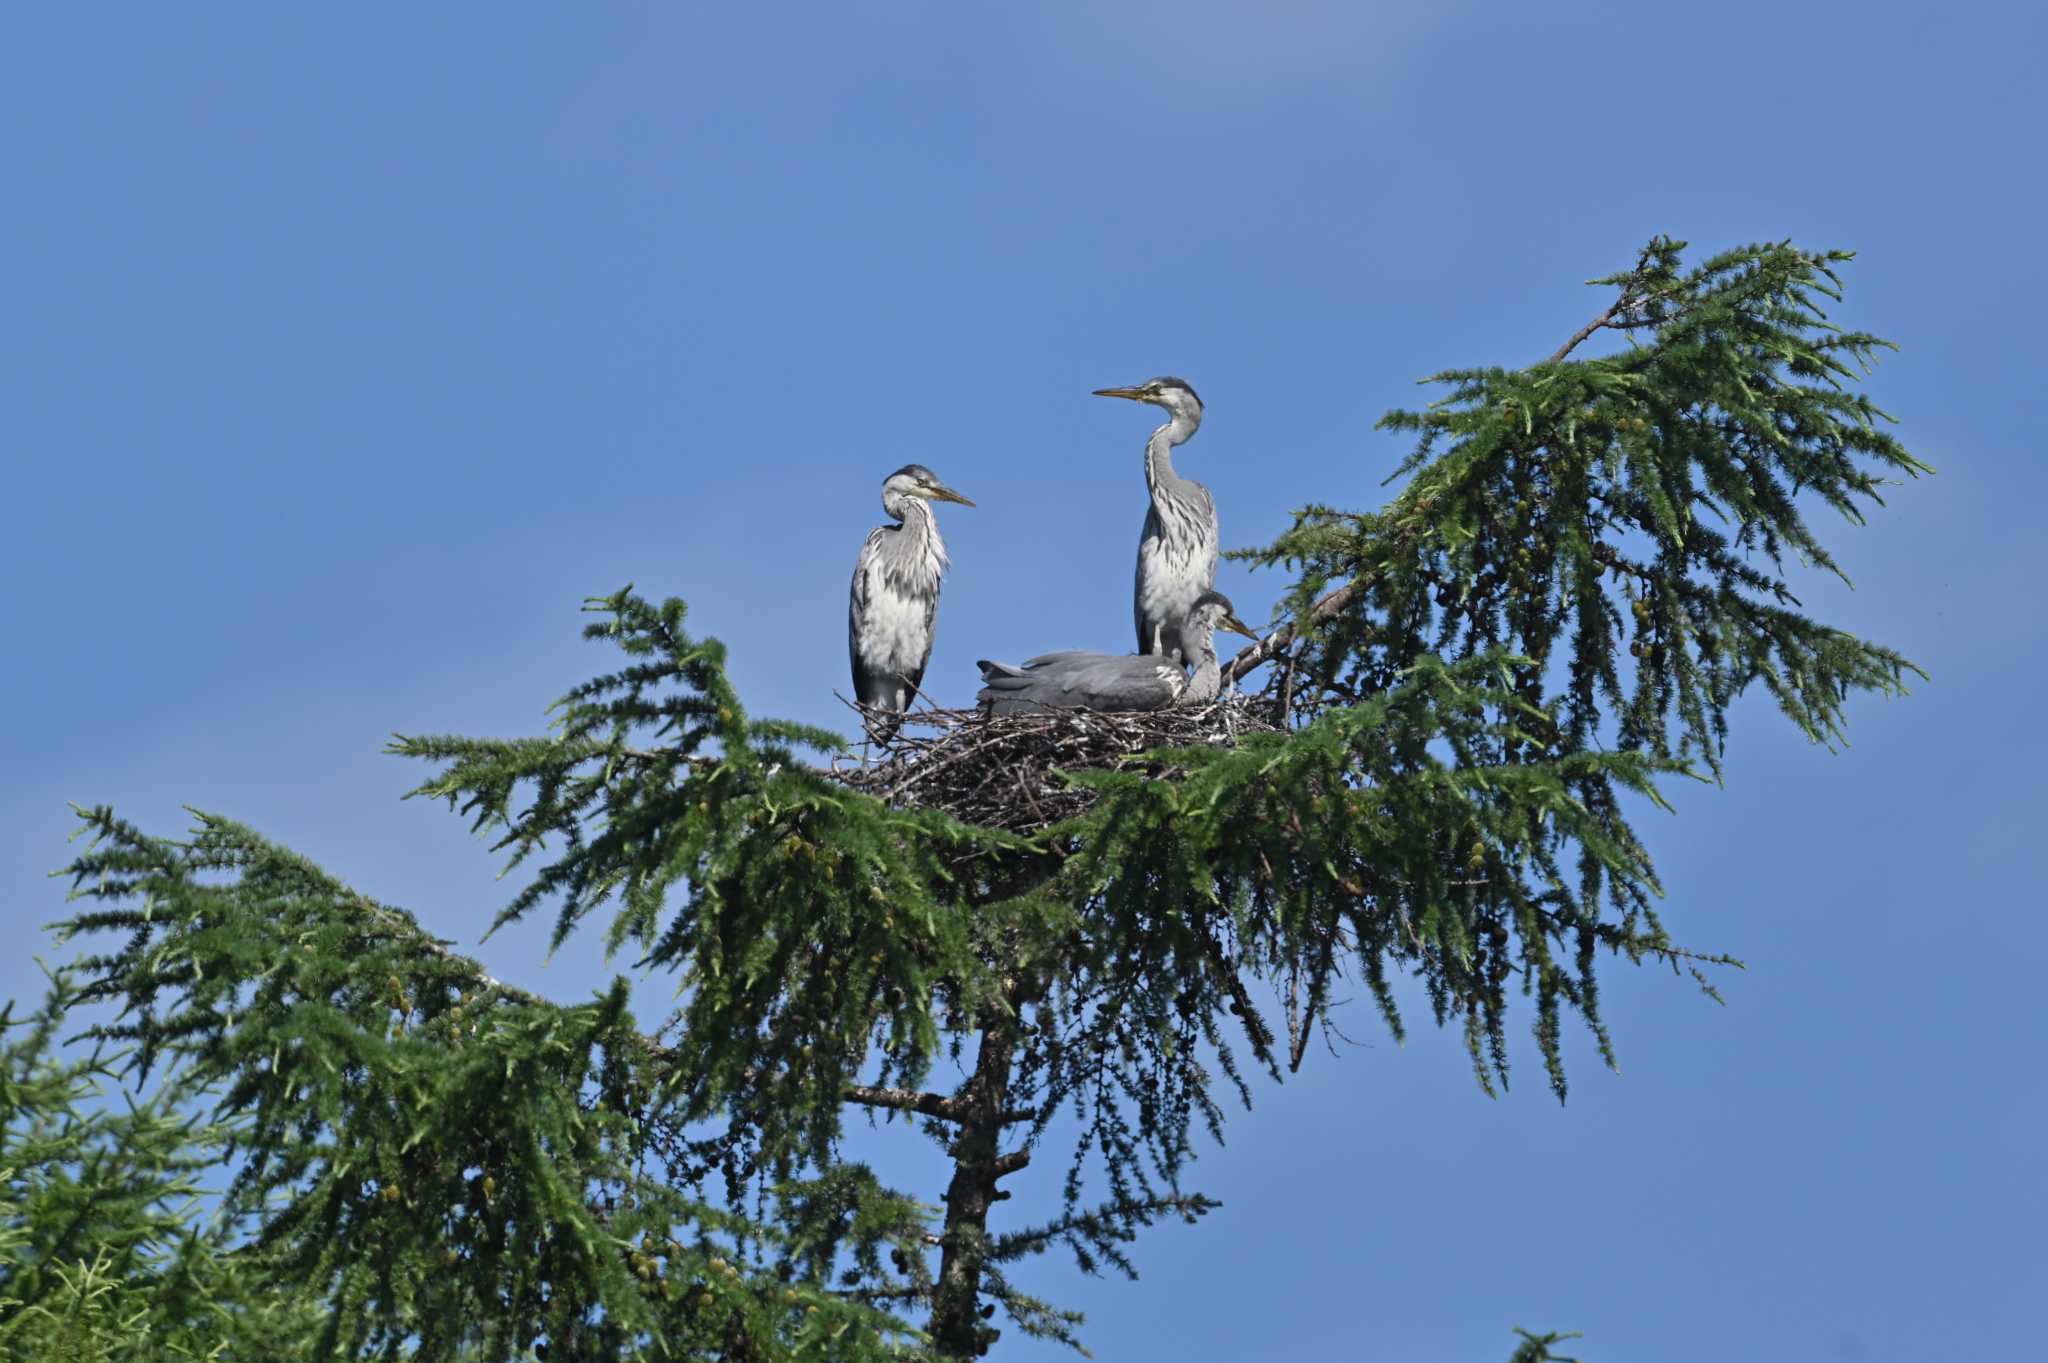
column 982, row 1110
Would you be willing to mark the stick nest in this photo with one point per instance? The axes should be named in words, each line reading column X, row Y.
column 1001, row 771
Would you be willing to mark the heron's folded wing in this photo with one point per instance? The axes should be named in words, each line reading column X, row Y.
column 867, row 682
column 857, row 604
column 1099, row 682
column 1079, row 680
column 1006, row 690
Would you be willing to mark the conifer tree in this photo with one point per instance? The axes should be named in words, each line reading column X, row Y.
column 108, row 1253
column 1586, row 565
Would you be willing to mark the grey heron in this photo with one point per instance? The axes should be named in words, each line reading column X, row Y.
column 895, row 597
column 1177, row 551
column 1102, row 681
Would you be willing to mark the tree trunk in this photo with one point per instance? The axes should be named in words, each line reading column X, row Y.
column 956, row 1326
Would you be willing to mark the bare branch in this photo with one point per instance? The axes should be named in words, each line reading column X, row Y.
column 905, row 1100
column 1624, row 312
column 1583, row 332
column 1280, row 638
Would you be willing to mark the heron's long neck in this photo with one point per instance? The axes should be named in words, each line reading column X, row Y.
column 1159, row 450
column 1208, row 678
column 921, row 536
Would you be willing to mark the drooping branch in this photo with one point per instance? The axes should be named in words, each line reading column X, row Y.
column 1100, row 1225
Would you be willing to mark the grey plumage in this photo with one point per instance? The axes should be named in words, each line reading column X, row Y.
column 1177, row 549
column 1076, row 680
column 892, row 609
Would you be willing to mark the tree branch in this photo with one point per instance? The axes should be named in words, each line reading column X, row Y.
column 1629, row 302
column 402, row 926
column 905, row 1100
column 1621, row 303
column 1280, row 638
column 1098, row 1221
column 1270, row 646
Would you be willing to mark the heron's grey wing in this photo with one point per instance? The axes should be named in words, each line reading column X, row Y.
column 915, row 676
column 1146, row 627
column 1097, row 681
column 1061, row 656
column 868, row 684
column 1005, row 689
column 1215, row 537
column 1079, row 681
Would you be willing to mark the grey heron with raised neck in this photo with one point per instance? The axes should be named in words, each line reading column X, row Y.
column 894, row 603
column 1177, row 551
column 1103, row 681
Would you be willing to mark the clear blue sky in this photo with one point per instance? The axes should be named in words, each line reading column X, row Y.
column 345, row 349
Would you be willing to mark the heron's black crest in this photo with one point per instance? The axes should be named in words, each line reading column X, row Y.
column 1214, row 598
column 1169, row 381
column 917, row 471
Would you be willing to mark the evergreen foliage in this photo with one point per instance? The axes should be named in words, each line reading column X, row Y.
column 458, row 1169
column 108, row 1253
column 1586, row 566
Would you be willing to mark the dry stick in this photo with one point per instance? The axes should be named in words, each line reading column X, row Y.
column 941, row 764
column 1287, row 686
column 1630, row 301
column 993, row 770
column 1280, row 638
column 1623, row 303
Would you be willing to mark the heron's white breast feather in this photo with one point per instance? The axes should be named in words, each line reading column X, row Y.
column 897, row 637
column 901, row 587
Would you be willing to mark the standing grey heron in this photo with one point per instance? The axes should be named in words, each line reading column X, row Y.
column 895, row 598
column 1177, row 552
column 1102, row 681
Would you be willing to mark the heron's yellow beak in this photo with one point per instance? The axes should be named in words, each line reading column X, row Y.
column 1237, row 626
column 1134, row 394
column 942, row 493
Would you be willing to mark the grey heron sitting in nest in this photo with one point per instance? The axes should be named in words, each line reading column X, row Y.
column 894, row 603
column 1102, row 681
column 1177, row 551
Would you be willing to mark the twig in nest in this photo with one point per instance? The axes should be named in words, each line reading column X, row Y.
column 998, row 770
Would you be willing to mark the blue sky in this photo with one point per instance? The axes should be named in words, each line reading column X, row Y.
column 343, row 352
